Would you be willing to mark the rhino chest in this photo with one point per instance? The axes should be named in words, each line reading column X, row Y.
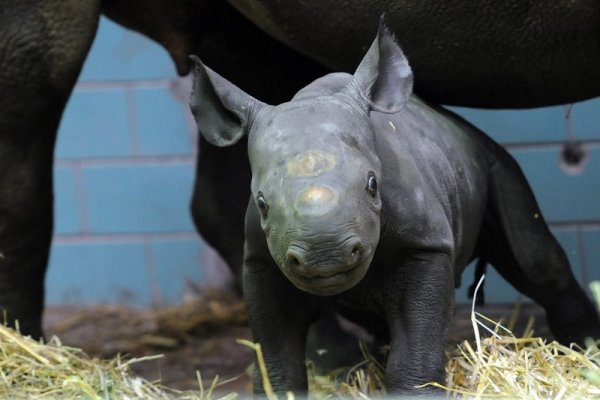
column 368, row 297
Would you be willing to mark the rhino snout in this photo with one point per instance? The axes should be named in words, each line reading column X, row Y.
column 344, row 257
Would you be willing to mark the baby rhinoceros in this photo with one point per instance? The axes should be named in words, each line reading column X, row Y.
column 369, row 198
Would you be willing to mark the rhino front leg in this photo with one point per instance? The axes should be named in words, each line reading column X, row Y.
column 279, row 318
column 419, row 301
column 42, row 51
column 279, row 314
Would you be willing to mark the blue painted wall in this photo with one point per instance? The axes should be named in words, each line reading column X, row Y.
column 124, row 172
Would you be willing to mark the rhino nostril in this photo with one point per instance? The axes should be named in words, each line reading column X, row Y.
column 293, row 262
column 357, row 250
column 293, row 259
column 354, row 250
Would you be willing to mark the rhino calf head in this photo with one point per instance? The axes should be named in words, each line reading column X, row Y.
column 314, row 168
column 315, row 184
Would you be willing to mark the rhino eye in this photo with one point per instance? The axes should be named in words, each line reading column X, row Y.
column 371, row 184
column 262, row 204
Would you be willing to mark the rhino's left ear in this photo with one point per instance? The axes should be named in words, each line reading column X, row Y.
column 222, row 110
column 384, row 79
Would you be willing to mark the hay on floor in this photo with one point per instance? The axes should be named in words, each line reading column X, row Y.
column 505, row 366
column 32, row 369
column 498, row 365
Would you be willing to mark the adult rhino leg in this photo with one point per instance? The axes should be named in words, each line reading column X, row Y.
column 42, row 51
column 518, row 243
column 222, row 185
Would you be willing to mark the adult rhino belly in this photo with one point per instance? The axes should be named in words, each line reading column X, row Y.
column 504, row 54
column 311, row 28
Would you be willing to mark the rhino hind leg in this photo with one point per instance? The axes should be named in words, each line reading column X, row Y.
column 518, row 243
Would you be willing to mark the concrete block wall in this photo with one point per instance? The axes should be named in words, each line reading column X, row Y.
column 124, row 172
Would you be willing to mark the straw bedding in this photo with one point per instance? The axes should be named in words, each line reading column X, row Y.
column 496, row 364
column 32, row 369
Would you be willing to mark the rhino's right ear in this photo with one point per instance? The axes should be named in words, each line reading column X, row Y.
column 384, row 80
column 222, row 111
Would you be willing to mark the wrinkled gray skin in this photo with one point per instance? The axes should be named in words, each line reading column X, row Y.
column 485, row 53
column 476, row 53
column 366, row 197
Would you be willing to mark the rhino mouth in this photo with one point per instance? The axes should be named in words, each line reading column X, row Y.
column 331, row 281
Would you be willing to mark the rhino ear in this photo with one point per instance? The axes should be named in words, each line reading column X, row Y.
column 222, row 110
column 384, row 79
